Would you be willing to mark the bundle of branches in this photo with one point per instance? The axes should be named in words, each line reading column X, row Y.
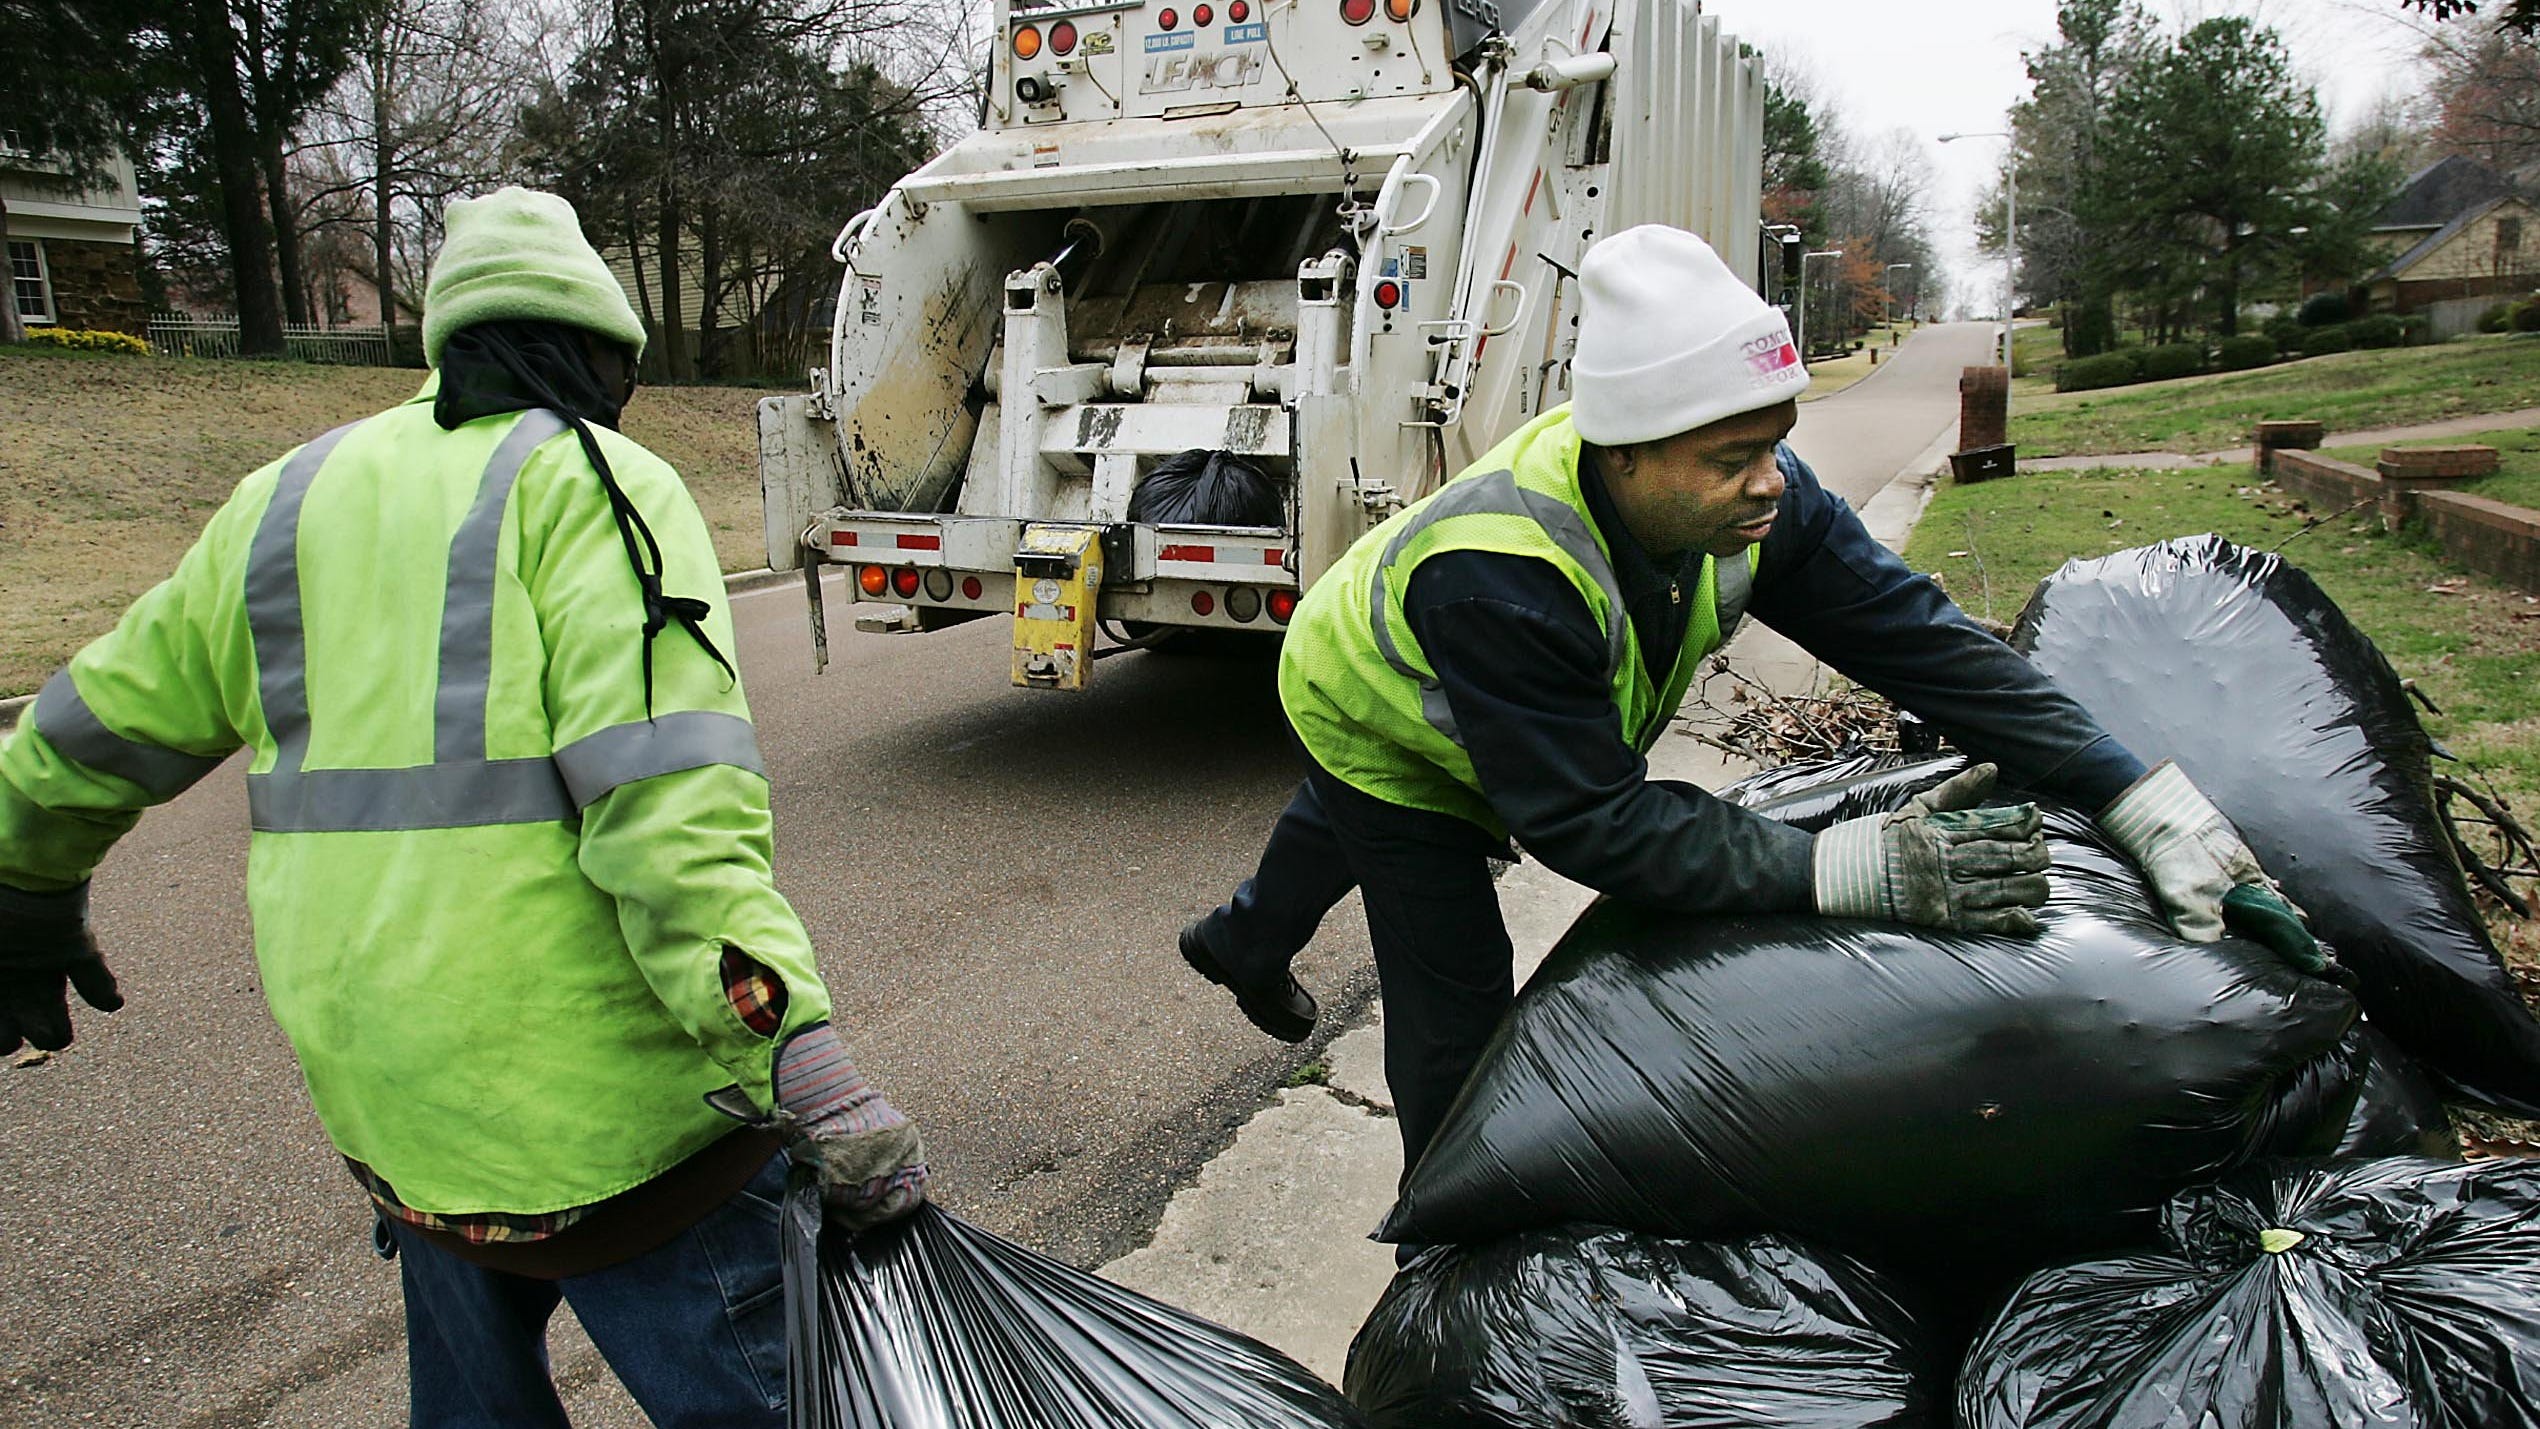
column 1750, row 719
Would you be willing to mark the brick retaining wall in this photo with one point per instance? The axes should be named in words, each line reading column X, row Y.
column 2488, row 537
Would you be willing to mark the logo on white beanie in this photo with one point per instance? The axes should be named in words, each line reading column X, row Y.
column 1671, row 340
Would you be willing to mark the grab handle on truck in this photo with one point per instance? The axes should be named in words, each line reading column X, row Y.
column 848, row 235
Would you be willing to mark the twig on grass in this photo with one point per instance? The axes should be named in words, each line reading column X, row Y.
column 2315, row 522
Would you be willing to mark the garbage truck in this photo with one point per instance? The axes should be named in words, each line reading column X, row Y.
column 1330, row 244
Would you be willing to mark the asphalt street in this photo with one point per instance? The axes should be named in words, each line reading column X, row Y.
column 993, row 878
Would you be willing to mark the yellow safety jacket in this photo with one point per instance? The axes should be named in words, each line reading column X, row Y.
column 1352, row 677
column 490, row 894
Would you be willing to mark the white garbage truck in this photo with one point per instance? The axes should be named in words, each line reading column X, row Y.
column 1330, row 243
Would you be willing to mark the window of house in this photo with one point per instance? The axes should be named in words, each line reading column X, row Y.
column 28, row 281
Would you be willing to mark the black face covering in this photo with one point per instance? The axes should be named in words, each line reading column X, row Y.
column 512, row 365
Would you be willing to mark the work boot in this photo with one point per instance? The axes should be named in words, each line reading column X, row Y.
column 1283, row 1009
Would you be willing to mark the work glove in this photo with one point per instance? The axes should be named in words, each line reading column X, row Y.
column 1940, row 862
column 2201, row 870
column 871, row 1161
column 44, row 943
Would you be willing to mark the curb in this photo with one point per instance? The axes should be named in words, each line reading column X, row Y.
column 11, row 708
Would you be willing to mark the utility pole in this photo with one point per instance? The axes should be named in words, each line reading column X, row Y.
column 1887, row 291
column 2010, row 239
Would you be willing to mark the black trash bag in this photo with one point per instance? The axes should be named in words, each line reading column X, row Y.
column 932, row 1323
column 1208, row 488
column 2407, row 1295
column 1929, row 1101
column 2234, row 663
column 1586, row 1327
column 1816, row 793
column 2399, row 1111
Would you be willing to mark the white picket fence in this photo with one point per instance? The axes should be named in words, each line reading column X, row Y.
column 216, row 335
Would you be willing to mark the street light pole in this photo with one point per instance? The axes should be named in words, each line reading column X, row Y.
column 1889, row 292
column 2010, row 240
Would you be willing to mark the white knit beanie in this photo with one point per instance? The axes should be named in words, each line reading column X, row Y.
column 1670, row 340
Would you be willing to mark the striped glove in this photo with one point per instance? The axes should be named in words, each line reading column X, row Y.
column 1939, row 862
column 871, row 1161
column 2202, row 871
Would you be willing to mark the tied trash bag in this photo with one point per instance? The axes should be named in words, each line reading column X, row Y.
column 2236, row 665
column 2399, row 1111
column 1920, row 1098
column 1208, row 488
column 1585, row 1327
column 932, row 1323
column 2395, row 1293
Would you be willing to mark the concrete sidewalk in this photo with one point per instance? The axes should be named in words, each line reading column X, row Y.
column 2241, row 456
column 1271, row 1239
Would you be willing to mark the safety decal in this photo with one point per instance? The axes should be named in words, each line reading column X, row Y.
column 1256, row 33
column 1187, row 39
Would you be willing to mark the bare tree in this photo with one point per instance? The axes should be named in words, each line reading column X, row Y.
column 427, row 113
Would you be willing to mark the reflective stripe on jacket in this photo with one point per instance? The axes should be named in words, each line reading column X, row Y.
column 1363, row 697
column 490, row 893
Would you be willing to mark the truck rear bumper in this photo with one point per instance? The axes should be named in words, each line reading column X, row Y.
column 1226, row 577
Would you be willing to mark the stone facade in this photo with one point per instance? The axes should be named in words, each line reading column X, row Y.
column 96, row 286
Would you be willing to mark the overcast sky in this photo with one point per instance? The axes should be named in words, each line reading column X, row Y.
column 1937, row 66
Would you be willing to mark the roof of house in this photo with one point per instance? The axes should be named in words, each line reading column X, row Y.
column 2440, row 192
column 2424, row 247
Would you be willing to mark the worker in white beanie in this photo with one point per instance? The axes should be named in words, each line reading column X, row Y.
column 1493, row 661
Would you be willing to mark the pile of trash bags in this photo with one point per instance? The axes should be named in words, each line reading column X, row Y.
column 2137, row 1159
column 1749, row 1171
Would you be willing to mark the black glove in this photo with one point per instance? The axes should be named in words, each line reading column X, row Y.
column 44, row 943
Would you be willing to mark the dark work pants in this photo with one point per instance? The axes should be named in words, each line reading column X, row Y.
column 1442, row 953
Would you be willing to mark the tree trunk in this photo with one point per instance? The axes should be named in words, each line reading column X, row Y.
column 2230, row 326
column 635, row 265
column 12, row 327
column 674, row 323
column 286, row 230
column 233, row 133
column 383, row 160
column 710, row 258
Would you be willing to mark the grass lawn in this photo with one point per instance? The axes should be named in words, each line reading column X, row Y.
column 1829, row 377
column 2350, row 391
column 110, row 464
column 2517, row 478
column 2471, row 645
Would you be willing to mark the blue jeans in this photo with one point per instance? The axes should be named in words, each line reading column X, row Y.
column 695, row 1329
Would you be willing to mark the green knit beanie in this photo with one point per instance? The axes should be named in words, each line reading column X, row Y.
column 516, row 253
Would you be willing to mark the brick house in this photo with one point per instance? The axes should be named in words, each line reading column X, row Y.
column 2459, row 238
column 73, row 258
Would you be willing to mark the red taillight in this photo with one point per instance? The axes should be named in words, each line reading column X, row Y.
column 1201, row 14
column 1358, row 12
column 1238, row 12
column 1063, row 37
column 970, row 587
column 1202, row 603
column 873, row 580
column 1027, row 42
column 1282, row 605
column 1388, row 294
column 904, row 580
column 1167, row 19
column 1400, row 11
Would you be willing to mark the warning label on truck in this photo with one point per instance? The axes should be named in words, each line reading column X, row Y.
column 1185, row 40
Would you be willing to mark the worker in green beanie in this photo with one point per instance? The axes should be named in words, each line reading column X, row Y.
column 510, row 864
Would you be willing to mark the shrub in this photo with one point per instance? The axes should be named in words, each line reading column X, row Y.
column 2249, row 349
column 2324, row 310
column 2378, row 330
column 2499, row 318
column 2320, row 341
column 2109, row 369
column 2285, row 330
column 2091, row 330
column 81, row 341
column 2172, row 359
column 2526, row 317
column 2416, row 329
